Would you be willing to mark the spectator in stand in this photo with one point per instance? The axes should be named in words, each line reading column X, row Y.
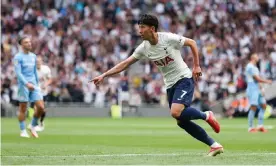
column 82, row 38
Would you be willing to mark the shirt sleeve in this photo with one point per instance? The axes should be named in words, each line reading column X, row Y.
column 139, row 52
column 253, row 71
column 176, row 40
column 17, row 62
column 36, row 75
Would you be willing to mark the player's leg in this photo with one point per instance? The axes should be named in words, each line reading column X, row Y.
column 195, row 130
column 262, row 109
column 21, row 119
column 45, row 98
column 31, row 110
column 41, row 126
column 253, row 100
column 182, row 95
column 39, row 105
column 180, row 98
column 23, row 98
column 42, row 119
column 200, row 134
column 37, row 98
column 181, row 110
column 251, row 116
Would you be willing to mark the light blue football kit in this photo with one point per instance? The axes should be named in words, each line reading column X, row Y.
column 254, row 94
column 253, row 91
column 26, row 72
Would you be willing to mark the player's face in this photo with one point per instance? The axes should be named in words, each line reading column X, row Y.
column 146, row 32
column 26, row 44
column 38, row 61
column 255, row 57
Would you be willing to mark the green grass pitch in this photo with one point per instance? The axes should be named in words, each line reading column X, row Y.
column 143, row 141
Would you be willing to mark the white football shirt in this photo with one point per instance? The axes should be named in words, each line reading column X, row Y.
column 44, row 74
column 167, row 56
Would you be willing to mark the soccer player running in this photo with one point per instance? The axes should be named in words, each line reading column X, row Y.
column 45, row 79
column 254, row 94
column 28, row 90
column 164, row 50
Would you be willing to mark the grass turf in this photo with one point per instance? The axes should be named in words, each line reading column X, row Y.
column 142, row 141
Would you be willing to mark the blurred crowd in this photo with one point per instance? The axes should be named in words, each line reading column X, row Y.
column 80, row 39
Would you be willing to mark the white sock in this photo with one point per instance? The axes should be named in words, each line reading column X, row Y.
column 250, row 128
column 24, row 131
column 215, row 145
column 207, row 115
column 259, row 126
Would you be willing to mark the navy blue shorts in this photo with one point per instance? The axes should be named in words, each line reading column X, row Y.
column 181, row 92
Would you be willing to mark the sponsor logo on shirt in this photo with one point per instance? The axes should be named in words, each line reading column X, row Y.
column 163, row 62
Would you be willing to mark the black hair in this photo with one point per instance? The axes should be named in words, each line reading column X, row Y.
column 149, row 20
column 20, row 39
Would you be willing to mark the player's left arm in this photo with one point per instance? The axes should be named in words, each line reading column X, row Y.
column 48, row 82
column 196, row 68
column 255, row 73
column 49, row 77
column 179, row 41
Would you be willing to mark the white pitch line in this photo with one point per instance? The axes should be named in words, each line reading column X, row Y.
column 269, row 127
column 148, row 154
column 233, row 126
column 103, row 155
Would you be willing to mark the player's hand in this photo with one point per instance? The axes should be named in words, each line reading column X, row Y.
column 30, row 86
column 197, row 73
column 269, row 81
column 43, row 87
column 97, row 80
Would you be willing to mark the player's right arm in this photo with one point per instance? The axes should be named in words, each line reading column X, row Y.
column 261, row 80
column 138, row 54
column 17, row 66
column 256, row 76
column 116, row 69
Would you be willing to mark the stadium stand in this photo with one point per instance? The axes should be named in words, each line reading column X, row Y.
column 81, row 39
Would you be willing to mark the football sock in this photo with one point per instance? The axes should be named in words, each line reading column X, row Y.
column 42, row 117
column 196, row 131
column 34, row 121
column 251, row 116
column 261, row 117
column 22, row 125
column 215, row 145
column 190, row 113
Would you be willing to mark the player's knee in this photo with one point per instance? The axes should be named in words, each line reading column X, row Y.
column 175, row 113
column 22, row 111
column 176, row 110
column 23, row 107
column 253, row 108
column 264, row 106
column 40, row 108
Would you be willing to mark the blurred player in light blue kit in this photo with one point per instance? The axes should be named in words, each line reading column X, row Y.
column 28, row 89
column 254, row 94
